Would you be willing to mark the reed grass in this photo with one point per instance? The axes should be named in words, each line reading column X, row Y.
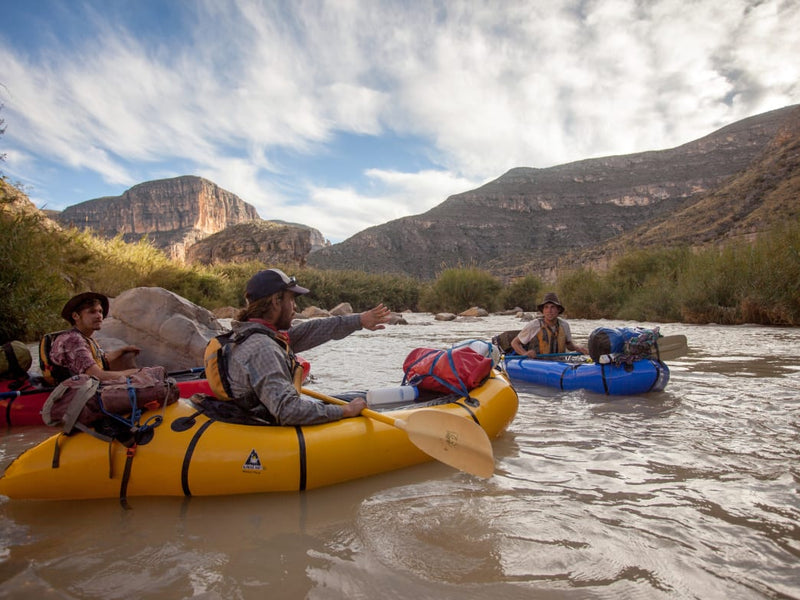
column 33, row 284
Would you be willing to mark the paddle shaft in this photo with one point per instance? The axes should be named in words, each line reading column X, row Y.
column 669, row 347
column 399, row 423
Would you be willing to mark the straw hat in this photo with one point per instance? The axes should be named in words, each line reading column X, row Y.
column 551, row 298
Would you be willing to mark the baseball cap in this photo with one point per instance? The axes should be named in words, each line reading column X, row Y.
column 270, row 281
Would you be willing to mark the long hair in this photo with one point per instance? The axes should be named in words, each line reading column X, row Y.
column 257, row 309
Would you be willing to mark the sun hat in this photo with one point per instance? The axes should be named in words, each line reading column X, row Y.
column 551, row 298
column 270, row 281
column 76, row 300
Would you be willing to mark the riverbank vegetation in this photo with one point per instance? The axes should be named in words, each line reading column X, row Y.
column 742, row 282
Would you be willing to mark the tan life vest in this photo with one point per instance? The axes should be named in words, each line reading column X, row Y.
column 549, row 341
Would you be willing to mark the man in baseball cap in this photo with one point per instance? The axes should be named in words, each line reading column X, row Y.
column 269, row 281
column 263, row 374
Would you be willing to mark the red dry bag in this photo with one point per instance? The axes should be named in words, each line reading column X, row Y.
column 456, row 370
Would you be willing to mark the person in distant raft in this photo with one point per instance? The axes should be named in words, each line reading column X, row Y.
column 78, row 352
column 548, row 334
column 263, row 374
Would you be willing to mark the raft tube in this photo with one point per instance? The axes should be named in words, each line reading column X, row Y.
column 193, row 455
column 21, row 405
column 640, row 377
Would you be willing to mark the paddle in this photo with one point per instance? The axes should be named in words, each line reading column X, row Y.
column 669, row 347
column 672, row 346
column 15, row 393
column 448, row 438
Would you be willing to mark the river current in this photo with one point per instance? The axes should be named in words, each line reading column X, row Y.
column 693, row 492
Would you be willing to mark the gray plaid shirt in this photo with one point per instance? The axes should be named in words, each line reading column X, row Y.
column 259, row 369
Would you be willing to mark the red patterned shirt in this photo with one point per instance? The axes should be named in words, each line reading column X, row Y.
column 73, row 350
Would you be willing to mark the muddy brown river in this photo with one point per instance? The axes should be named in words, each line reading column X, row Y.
column 693, row 492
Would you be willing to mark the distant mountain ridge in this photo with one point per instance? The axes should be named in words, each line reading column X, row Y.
column 528, row 219
column 763, row 194
column 733, row 182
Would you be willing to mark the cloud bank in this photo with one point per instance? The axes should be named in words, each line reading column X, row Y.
column 343, row 115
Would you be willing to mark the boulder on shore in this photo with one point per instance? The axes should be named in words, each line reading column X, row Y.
column 169, row 330
column 474, row 311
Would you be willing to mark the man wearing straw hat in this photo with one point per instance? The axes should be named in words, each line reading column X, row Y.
column 76, row 349
column 548, row 334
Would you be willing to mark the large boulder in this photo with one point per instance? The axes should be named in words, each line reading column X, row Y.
column 169, row 330
column 475, row 311
column 344, row 308
column 313, row 312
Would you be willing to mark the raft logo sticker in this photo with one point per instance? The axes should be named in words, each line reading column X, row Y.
column 253, row 463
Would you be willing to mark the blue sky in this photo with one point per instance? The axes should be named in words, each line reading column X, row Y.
column 346, row 114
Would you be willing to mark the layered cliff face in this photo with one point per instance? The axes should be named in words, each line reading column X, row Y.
column 527, row 219
column 270, row 242
column 751, row 202
column 173, row 213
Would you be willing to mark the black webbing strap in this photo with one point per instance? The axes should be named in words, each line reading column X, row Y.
column 130, row 452
column 301, row 447
column 605, row 382
column 8, row 410
column 57, row 451
column 187, row 458
column 470, row 411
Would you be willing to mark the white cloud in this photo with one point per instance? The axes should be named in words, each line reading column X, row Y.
column 340, row 212
column 531, row 84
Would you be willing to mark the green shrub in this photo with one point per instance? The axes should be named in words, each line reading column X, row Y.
column 746, row 282
column 523, row 292
column 32, row 286
column 709, row 288
column 458, row 289
column 361, row 290
column 741, row 282
column 639, row 286
column 587, row 294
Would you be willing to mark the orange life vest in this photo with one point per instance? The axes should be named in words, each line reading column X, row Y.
column 215, row 360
